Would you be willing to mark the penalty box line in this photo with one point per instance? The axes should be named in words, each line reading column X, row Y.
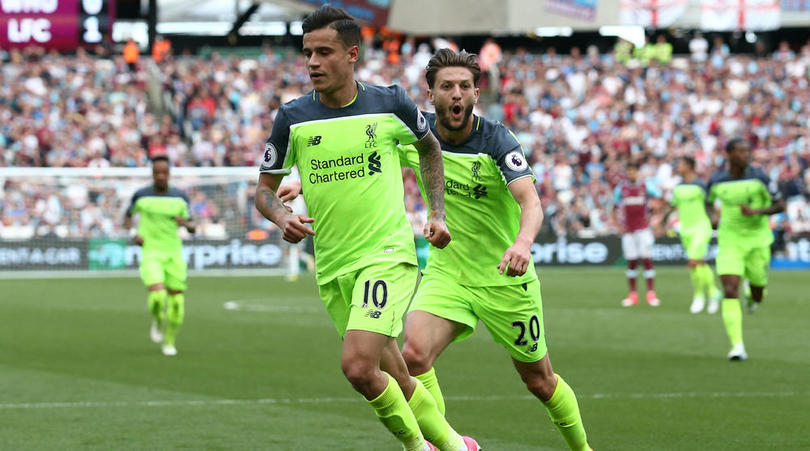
column 336, row 400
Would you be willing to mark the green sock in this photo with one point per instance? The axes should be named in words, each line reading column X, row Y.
column 696, row 276
column 175, row 317
column 157, row 302
column 393, row 411
column 708, row 281
column 564, row 412
column 732, row 317
column 431, row 383
column 432, row 423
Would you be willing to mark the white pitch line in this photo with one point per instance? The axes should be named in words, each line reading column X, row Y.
column 336, row 400
column 254, row 307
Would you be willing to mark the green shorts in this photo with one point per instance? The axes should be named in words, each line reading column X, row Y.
column 374, row 298
column 696, row 243
column 168, row 269
column 746, row 260
column 512, row 313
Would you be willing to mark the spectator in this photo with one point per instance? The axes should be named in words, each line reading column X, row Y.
column 131, row 55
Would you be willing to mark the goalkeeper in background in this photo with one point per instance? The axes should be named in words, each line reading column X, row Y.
column 162, row 210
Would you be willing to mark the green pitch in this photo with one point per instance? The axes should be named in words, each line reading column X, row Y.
column 77, row 370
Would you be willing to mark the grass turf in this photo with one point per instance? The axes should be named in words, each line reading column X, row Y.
column 77, row 370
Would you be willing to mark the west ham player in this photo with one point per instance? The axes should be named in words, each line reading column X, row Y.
column 343, row 138
column 630, row 200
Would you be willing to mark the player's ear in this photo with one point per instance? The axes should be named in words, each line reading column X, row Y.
column 354, row 54
column 430, row 96
column 477, row 92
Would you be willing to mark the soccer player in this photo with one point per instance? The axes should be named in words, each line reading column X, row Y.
column 689, row 199
column 486, row 273
column 162, row 210
column 744, row 237
column 343, row 138
column 631, row 197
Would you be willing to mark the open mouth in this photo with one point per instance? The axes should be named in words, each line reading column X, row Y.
column 315, row 76
column 456, row 110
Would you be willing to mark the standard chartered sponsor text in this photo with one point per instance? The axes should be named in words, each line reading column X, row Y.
column 347, row 168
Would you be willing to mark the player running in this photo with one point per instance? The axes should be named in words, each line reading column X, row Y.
column 343, row 138
column 486, row 273
column 632, row 197
column 162, row 209
column 744, row 237
column 689, row 199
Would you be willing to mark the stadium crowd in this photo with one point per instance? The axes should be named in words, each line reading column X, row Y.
column 580, row 117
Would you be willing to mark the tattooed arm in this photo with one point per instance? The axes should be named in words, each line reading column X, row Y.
column 294, row 227
column 431, row 167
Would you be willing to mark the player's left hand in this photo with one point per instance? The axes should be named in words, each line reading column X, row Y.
column 747, row 211
column 289, row 191
column 436, row 233
column 516, row 260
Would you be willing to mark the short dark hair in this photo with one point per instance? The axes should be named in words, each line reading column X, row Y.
column 449, row 58
column 157, row 158
column 732, row 143
column 689, row 161
column 632, row 164
column 348, row 30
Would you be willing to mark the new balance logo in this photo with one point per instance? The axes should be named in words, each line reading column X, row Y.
column 371, row 132
column 313, row 141
column 374, row 163
column 479, row 191
column 374, row 314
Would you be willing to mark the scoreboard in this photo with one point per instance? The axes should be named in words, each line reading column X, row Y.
column 55, row 24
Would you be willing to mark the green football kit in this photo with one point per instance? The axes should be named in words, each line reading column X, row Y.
column 461, row 282
column 364, row 247
column 696, row 231
column 352, row 184
column 743, row 241
column 161, row 253
column 696, row 228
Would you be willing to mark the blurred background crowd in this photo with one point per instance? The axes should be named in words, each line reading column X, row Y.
column 580, row 117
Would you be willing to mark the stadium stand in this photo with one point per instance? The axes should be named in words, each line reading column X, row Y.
column 579, row 117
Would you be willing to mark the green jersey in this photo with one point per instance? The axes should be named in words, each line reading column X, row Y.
column 157, row 225
column 482, row 216
column 689, row 198
column 350, row 174
column 754, row 189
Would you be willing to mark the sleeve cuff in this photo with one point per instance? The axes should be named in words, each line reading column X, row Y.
column 275, row 171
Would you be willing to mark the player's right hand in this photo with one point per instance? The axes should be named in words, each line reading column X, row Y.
column 294, row 228
column 138, row 240
column 436, row 233
column 289, row 191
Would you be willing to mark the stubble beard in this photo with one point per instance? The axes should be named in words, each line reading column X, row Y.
column 445, row 118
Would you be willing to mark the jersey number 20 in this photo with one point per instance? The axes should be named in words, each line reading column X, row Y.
column 534, row 330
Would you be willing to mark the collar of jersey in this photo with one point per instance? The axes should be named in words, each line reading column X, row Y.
column 469, row 137
column 316, row 97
